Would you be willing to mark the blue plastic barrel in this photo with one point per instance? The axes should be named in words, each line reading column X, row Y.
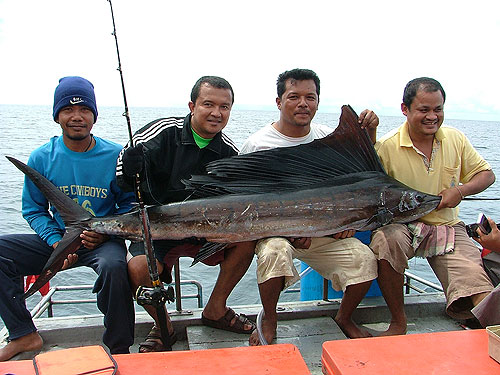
column 311, row 285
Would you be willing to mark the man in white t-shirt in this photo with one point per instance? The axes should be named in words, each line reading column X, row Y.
column 343, row 259
column 269, row 137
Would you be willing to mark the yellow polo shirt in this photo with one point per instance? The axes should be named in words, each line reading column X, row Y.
column 454, row 160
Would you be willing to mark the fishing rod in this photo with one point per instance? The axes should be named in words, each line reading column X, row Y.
column 480, row 199
column 156, row 296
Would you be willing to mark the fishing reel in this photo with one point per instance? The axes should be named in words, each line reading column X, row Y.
column 155, row 297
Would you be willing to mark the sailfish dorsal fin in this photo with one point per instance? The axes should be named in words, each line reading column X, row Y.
column 348, row 149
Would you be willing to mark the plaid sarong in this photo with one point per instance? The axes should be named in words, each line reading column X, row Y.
column 431, row 240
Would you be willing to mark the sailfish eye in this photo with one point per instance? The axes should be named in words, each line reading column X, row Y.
column 419, row 198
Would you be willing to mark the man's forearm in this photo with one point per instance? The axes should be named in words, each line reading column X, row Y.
column 478, row 183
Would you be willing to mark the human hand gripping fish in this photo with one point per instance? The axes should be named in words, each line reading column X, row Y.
column 90, row 240
column 369, row 121
column 453, row 195
column 344, row 234
column 305, row 242
column 301, row 242
column 69, row 261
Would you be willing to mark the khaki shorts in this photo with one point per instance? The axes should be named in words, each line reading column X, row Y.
column 345, row 262
column 460, row 272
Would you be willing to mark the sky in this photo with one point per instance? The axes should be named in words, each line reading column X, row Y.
column 363, row 51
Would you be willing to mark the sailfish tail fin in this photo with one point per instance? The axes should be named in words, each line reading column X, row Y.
column 69, row 244
column 71, row 212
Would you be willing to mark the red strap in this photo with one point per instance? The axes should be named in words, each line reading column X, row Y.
column 485, row 252
column 30, row 279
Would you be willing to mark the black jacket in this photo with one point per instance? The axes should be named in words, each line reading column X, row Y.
column 171, row 154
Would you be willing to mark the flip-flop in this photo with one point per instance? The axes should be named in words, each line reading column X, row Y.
column 225, row 322
column 153, row 341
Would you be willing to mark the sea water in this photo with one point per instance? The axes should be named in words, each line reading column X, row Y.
column 24, row 128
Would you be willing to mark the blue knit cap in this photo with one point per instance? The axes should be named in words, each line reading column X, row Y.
column 74, row 91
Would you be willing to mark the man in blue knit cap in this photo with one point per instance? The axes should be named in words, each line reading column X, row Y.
column 83, row 167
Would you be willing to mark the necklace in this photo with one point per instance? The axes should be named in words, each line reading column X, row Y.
column 91, row 139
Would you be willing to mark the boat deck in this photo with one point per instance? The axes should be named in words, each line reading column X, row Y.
column 306, row 324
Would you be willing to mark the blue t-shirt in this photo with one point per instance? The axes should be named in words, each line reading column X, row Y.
column 86, row 177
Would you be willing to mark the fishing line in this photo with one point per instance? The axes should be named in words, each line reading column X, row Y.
column 156, row 296
column 480, row 199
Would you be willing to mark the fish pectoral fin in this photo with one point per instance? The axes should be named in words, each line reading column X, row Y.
column 207, row 250
column 382, row 217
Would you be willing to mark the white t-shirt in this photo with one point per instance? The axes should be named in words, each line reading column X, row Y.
column 268, row 137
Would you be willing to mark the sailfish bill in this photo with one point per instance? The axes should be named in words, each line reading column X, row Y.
column 312, row 190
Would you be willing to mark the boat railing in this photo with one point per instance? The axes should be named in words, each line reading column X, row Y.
column 409, row 284
column 48, row 301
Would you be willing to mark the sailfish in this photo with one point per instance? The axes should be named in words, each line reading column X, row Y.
column 312, row 190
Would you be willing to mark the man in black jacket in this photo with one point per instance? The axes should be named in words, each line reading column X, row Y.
column 166, row 151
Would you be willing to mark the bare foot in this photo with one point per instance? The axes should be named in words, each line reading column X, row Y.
column 395, row 328
column 269, row 327
column 28, row 343
column 351, row 329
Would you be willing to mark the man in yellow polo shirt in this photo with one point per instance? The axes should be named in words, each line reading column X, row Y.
column 441, row 161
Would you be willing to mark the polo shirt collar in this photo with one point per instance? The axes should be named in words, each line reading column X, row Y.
column 404, row 135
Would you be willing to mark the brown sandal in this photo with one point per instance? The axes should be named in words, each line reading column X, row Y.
column 153, row 341
column 225, row 322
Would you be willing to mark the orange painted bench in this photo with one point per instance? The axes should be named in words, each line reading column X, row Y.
column 279, row 359
column 456, row 352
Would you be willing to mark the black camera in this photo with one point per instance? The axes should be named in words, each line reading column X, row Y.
column 481, row 223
